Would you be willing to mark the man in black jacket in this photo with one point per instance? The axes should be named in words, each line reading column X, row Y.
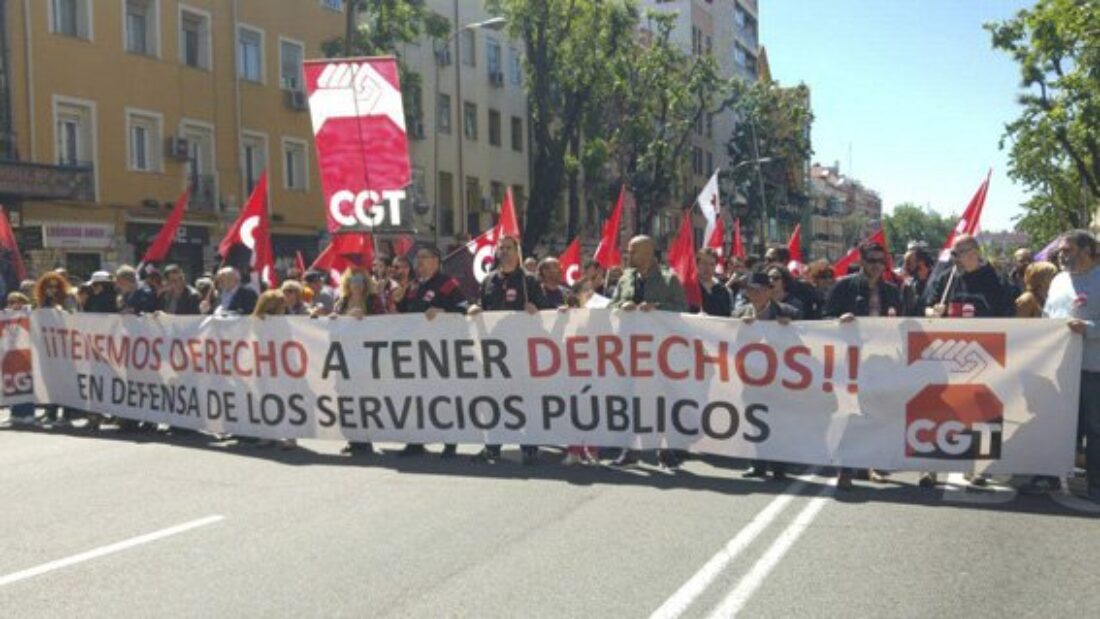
column 971, row 282
column 178, row 298
column 508, row 288
column 233, row 297
column 918, row 266
column 136, row 297
column 865, row 293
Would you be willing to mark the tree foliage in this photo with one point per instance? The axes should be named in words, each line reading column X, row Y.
column 774, row 125
column 1054, row 145
column 910, row 222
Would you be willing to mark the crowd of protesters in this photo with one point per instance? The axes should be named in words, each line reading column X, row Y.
column 769, row 288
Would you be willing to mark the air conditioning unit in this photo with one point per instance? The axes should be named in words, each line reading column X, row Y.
column 179, row 148
column 297, row 100
column 443, row 56
column 416, row 129
column 496, row 78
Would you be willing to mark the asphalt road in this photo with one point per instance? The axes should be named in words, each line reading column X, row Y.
column 92, row 528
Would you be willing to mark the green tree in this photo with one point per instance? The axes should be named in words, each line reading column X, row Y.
column 774, row 127
column 570, row 48
column 1054, row 146
column 910, row 222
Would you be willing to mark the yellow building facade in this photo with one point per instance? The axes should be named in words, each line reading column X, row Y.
column 112, row 107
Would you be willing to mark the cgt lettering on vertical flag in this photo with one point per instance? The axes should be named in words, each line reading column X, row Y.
column 570, row 261
column 358, row 121
column 472, row 263
column 247, row 245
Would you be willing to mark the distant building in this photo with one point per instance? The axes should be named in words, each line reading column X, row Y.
column 833, row 197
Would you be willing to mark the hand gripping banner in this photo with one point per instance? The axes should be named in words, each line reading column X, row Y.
column 993, row 396
column 359, row 127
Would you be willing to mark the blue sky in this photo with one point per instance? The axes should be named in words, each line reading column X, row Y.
column 913, row 86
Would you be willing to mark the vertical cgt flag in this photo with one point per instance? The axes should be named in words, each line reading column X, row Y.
column 251, row 235
column 358, row 121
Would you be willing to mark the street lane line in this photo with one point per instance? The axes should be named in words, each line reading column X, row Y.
column 751, row 581
column 106, row 550
column 694, row 587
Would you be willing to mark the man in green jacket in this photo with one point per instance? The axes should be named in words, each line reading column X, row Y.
column 648, row 286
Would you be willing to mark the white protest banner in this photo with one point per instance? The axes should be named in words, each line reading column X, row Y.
column 996, row 396
column 16, row 380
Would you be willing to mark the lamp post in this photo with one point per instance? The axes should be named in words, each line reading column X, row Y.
column 494, row 23
column 764, row 205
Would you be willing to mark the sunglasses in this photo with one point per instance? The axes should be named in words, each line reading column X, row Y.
column 956, row 253
column 881, row 261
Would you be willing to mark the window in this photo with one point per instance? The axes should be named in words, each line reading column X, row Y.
column 468, row 48
column 294, row 165
column 709, row 46
column 710, row 125
column 200, row 170
column 739, row 16
column 74, row 124
column 710, row 163
column 496, row 190
column 697, row 160
column 469, row 120
column 443, row 113
column 143, row 140
column 194, row 38
column 250, row 54
column 253, row 159
column 494, row 127
column 446, row 203
column 71, row 18
column 335, row 5
column 515, row 66
column 739, row 56
column 492, row 58
column 142, row 30
column 291, row 54
column 517, row 134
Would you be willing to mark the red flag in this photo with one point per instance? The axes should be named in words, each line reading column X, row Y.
column 571, row 262
column 343, row 251
column 794, row 246
column 607, row 252
column 158, row 250
column 738, row 243
column 8, row 245
column 251, row 231
column 681, row 257
column 508, row 223
column 358, row 119
column 299, row 262
column 840, row 268
column 403, row 244
column 717, row 241
column 968, row 223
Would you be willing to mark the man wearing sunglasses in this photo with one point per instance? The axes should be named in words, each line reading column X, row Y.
column 971, row 282
column 865, row 293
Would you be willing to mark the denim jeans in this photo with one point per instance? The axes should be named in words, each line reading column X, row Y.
column 1090, row 424
column 22, row 411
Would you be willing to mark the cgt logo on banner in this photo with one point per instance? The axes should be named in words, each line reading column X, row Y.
column 956, row 421
column 359, row 127
column 15, row 366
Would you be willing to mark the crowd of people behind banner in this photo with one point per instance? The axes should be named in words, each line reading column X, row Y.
column 1065, row 287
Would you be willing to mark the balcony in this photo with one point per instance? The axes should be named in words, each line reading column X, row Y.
column 69, row 180
column 204, row 194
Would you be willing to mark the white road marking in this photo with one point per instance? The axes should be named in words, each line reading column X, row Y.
column 106, row 550
column 675, row 605
column 750, row 582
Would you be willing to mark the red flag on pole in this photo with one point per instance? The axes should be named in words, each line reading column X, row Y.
column 794, row 245
column 11, row 248
column 299, row 261
column 681, row 257
column 971, row 217
column 840, row 268
column 571, row 263
column 251, row 231
column 344, row 250
column 607, row 252
column 158, row 250
column 508, row 222
column 738, row 242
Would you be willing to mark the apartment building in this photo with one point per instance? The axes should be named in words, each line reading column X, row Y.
column 109, row 108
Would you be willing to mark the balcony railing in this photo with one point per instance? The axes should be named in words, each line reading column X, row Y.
column 69, row 180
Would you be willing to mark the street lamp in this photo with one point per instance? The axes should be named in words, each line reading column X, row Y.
column 759, row 161
column 493, row 23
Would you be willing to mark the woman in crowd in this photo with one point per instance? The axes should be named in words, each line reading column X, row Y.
column 781, row 284
column 358, row 298
column 54, row 291
column 272, row 303
column 294, row 298
column 1037, row 278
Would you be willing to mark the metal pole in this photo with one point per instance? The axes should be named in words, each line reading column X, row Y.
column 460, row 108
column 765, row 235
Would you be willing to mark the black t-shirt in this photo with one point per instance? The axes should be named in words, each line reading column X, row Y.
column 440, row 291
column 717, row 302
column 510, row 291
